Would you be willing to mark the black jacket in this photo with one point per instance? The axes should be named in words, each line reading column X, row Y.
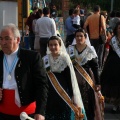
column 31, row 79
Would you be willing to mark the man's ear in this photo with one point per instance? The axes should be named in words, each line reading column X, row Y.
column 18, row 40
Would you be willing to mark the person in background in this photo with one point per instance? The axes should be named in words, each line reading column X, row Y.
column 70, row 30
column 76, row 19
column 112, row 16
column 37, row 38
column 23, row 83
column 82, row 18
column 38, row 15
column 87, row 28
column 29, row 29
column 110, row 82
column 77, row 7
column 115, row 17
column 45, row 28
column 96, row 28
column 53, row 11
column 109, row 36
column 88, row 14
column 107, row 46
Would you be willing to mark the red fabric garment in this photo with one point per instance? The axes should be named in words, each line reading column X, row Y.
column 29, row 22
column 8, row 106
column 107, row 43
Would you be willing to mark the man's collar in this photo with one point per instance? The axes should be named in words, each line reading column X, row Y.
column 46, row 15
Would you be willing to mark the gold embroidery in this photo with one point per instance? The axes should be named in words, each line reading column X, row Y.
column 91, row 83
column 78, row 114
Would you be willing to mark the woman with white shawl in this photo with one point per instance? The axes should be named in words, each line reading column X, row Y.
column 61, row 66
column 86, row 58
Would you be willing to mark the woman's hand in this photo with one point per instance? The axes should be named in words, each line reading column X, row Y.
column 98, row 88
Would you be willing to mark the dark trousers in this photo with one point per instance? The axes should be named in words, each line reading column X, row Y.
column 76, row 26
column 31, row 40
column 69, row 39
column 43, row 46
column 11, row 117
column 99, row 50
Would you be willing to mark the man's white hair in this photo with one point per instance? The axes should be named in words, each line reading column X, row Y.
column 14, row 29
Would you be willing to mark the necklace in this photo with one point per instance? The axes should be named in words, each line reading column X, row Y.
column 10, row 69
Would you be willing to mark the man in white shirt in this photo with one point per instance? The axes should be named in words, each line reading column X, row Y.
column 46, row 28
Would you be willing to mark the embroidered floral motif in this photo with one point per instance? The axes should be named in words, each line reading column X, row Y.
column 85, row 56
column 115, row 45
column 58, row 64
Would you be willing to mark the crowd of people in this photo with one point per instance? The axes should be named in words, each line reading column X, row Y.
column 57, row 80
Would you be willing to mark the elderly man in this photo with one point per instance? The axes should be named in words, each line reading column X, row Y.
column 23, row 83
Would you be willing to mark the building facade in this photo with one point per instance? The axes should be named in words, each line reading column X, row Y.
column 8, row 12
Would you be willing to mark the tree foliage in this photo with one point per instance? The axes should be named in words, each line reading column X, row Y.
column 104, row 4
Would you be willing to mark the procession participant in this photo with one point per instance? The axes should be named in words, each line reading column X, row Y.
column 61, row 72
column 110, row 84
column 23, row 83
column 86, row 66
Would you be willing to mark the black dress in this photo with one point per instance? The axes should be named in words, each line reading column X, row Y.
column 87, row 92
column 110, row 77
column 56, row 108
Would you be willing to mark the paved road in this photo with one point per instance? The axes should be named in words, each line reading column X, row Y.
column 109, row 115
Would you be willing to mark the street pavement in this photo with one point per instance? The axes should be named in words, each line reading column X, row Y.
column 108, row 113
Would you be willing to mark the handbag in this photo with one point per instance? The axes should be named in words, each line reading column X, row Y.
column 102, row 38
